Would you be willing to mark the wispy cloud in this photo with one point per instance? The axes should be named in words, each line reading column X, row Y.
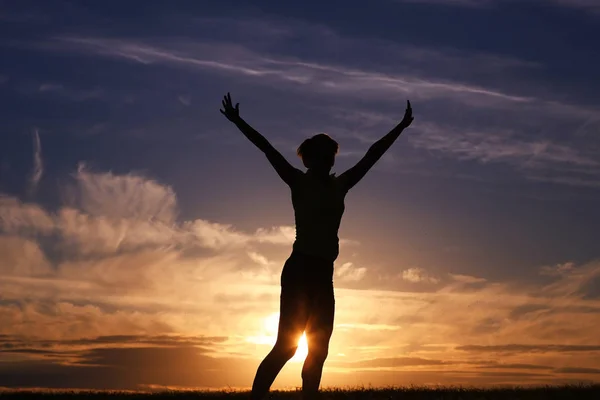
column 568, row 180
column 478, row 107
column 38, row 167
column 50, row 87
column 516, row 348
column 455, row 114
column 500, row 146
column 590, row 5
column 533, row 156
column 316, row 76
column 537, row 155
column 185, row 99
column 462, row 3
column 75, row 94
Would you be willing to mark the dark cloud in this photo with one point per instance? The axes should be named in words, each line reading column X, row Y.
column 498, row 373
column 129, row 368
column 136, row 357
column 525, row 348
column 161, row 340
column 30, row 351
column 7, row 341
column 473, row 286
column 151, row 308
column 525, row 309
column 391, row 362
column 514, row 366
column 487, row 325
column 117, row 362
column 99, row 350
column 591, row 289
column 578, row 370
column 446, row 377
column 579, row 309
column 48, row 374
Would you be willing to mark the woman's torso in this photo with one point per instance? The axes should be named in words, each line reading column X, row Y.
column 318, row 208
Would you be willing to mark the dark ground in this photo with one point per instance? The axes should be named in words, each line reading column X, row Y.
column 413, row 393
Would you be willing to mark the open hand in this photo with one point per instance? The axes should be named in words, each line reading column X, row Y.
column 408, row 118
column 232, row 113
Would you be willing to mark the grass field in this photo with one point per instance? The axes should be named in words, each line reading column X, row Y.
column 415, row 393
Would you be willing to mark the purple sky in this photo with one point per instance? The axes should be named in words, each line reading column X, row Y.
column 137, row 224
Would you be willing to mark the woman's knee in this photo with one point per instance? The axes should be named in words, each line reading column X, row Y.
column 318, row 355
column 285, row 350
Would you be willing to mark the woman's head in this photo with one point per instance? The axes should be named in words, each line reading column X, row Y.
column 318, row 152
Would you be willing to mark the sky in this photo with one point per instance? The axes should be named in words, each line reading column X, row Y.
column 142, row 236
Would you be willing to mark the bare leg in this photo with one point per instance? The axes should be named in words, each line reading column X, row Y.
column 318, row 332
column 292, row 320
column 271, row 366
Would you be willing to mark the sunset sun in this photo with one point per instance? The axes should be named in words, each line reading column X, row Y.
column 271, row 324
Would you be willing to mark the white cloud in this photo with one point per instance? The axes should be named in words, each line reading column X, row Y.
column 348, row 272
column 108, row 213
column 416, row 275
column 22, row 257
column 215, row 235
column 16, row 217
column 276, row 235
column 123, row 196
column 108, row 253
column 87, row 234
column 259, row 258
column 466, row 278
column 557, row 270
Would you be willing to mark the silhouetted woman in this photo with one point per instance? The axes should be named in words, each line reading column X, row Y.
column 307, row 302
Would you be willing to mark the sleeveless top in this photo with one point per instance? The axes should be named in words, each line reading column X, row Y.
column 318, row 208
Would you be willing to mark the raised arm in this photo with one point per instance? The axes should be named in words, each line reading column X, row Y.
column 353, row 175
column 283, row 168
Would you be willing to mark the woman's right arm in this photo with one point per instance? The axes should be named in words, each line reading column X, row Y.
column 283, row 168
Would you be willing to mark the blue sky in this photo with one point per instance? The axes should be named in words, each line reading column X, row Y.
column 111, row 123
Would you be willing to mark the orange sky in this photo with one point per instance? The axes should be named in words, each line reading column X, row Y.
column 194, row 303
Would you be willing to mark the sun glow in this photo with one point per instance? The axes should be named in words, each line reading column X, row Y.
column 271, row 324
column 302, row 351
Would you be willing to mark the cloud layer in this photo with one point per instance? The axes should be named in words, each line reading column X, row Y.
column 107, row 285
